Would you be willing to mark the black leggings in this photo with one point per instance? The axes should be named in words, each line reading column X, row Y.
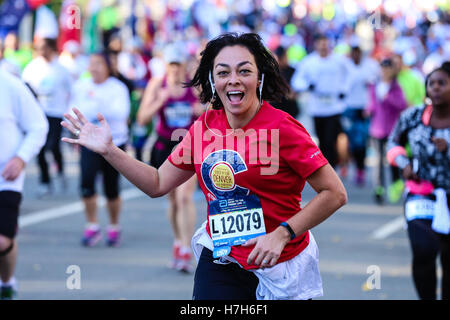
column 52, row 144
column 327, row 130
column 222, row 282
column 426, row 245
column 91, row 164
column 9, row 212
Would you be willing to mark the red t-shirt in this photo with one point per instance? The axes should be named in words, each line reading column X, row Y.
column 270, row 157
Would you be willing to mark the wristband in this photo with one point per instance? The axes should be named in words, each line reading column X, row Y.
column 401, row 161
column 288, row 227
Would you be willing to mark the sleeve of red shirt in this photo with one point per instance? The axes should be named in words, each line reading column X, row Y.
column 298, row 149
column 183, row 155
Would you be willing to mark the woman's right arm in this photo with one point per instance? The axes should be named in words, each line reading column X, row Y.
column 152, row 181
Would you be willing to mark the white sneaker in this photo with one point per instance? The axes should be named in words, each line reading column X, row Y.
column 62, row 182
column 44, row 190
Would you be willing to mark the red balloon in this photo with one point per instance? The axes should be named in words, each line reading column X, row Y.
column 33, row 4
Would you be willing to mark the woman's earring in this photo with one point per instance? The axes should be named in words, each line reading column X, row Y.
column 260, row 88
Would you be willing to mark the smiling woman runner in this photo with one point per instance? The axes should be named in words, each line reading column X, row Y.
column 256, row 242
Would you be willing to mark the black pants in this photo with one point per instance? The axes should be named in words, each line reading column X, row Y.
column 52, row 144
column 426, row 245
column 327, row 130
column 222, row 282
column 92, row 164
column 356, row 126
column 444, row 241
column 9, row 212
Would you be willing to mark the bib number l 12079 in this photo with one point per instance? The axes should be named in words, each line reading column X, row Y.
column 234, row 221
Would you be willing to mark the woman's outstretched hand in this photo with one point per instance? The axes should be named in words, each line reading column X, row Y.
column 95, row 138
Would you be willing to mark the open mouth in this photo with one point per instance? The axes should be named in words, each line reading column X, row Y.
column 235, row 96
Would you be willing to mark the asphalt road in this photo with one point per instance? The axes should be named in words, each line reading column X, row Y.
column 364, row 251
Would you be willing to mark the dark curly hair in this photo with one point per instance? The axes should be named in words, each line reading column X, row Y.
column 274, row 88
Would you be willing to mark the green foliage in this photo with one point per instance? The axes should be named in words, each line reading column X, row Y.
column 55, row 6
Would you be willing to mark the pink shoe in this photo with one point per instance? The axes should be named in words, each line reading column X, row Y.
column 113, row 237
column 360, row 177
column 184, row 263
column 91, row 237
column 175, row 256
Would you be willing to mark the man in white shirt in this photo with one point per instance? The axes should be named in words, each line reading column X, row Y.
column 355, row 120
column 52, row 84
column 325, row 76
column 23, row 132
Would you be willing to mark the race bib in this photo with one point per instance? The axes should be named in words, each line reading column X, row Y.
column 419, row 207
column 178, row 115
column 324, row 99
column 234, row 221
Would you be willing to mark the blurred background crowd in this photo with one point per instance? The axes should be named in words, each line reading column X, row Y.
column 414, row 35
column 140, row 29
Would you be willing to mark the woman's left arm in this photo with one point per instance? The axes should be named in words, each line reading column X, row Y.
column 331, row 195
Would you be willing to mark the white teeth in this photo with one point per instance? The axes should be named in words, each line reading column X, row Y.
column 235, row 95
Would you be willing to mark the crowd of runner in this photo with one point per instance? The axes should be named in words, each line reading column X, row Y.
column 355, row 80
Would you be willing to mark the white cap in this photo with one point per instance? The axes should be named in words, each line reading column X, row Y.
column 174, row 53
column 46, row 25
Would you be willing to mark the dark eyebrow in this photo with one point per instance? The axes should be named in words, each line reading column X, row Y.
column 240, row 64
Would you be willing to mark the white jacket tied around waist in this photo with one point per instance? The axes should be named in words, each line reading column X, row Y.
column 294, row 279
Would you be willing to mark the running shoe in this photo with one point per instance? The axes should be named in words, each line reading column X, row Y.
column 360, row 177
column 91, row 237
column 44, row 190
column 175, row 256
column 7, row 292
column 113, row 237
column 184, row 263
column 379, row 194
column 395, row 191
column 62, row 182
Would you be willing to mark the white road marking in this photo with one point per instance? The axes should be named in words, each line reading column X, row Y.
column 387, row 229
column 75, row 207
column 69, row 209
